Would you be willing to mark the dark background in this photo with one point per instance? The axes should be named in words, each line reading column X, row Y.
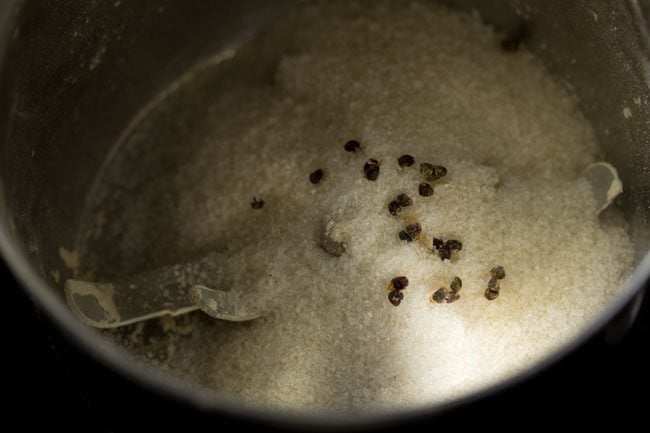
column 50, row 385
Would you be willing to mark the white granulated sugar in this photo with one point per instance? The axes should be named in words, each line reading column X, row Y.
column 627, row 112
column 419, row 80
